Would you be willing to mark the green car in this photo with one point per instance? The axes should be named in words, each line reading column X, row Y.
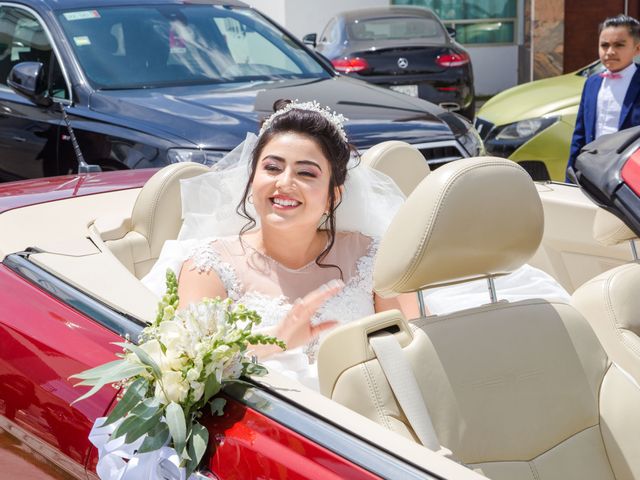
column 532, row 124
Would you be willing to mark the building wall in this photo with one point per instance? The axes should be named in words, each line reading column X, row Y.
column 548, row 37
column 495, row 68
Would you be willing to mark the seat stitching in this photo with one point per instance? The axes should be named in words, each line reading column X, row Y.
column 534, row 471
column 373, row 390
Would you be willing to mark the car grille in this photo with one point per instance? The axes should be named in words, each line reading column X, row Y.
column 439, row 153
column 483, row 127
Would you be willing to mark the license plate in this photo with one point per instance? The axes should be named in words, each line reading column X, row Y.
column 411, row 90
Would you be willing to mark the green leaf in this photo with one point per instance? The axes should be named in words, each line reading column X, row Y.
column 156, row 438
column 128, row 370
column 197, row 446
column 97, row 372
column 217, row 406
column 142, row 427
column 177, row 426
column 211, row 387
column 146, row 409
column 143, row 356
column 132, row 397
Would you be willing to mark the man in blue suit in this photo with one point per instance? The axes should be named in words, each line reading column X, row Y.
column 610, row 101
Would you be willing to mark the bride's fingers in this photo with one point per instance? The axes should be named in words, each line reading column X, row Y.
column 321, row 327
column 312, row 301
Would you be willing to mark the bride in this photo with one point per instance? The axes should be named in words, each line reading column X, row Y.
column 304, row 257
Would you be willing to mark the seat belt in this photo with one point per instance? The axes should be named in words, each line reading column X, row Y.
column 404, row 385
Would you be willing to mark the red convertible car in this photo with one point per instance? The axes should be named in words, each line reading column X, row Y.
column 513, row 390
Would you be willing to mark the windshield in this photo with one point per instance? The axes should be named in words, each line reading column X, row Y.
column 170, row 45
column 397, row 28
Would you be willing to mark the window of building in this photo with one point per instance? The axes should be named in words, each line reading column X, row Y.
column 475, row 21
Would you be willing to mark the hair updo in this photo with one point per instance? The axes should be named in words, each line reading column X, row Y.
column 327, row 136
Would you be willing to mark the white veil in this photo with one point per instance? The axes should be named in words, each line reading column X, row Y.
column 370, row 200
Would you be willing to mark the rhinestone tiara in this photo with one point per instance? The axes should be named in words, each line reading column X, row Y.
column 336, row 119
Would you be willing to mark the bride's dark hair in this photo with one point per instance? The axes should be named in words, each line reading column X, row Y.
column 326, row 135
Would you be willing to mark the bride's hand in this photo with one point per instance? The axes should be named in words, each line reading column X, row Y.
column 296, row 328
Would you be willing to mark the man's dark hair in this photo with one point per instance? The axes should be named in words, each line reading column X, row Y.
column 623, row 21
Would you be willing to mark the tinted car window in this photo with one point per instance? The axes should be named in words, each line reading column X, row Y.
column 397, row 28
column 23, row 39
column 142, row 46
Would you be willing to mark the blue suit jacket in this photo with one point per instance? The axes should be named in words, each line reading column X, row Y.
column 585, row 130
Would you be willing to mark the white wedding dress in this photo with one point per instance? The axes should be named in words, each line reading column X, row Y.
column 268, row 287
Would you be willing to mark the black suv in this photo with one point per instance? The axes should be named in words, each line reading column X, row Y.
column 167, row 81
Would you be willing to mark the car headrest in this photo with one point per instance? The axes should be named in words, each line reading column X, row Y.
column 610, row 230
column 399, row 160
column 157, row 213
column 469, row 219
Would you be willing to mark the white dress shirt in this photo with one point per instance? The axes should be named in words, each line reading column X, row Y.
column 610, row 99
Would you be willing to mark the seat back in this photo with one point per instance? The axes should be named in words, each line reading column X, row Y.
column 610, row 301
column 399, row 160
column 156, row 217
column 519, row 390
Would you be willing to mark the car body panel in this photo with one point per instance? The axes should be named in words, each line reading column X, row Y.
column 35, row 391
column 534, row 99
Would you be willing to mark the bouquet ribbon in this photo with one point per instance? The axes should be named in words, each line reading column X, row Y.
column 118, row 460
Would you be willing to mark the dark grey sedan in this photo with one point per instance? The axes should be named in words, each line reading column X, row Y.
column 406, row 49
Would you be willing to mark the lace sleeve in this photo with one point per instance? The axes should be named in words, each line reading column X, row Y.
column 206, row 258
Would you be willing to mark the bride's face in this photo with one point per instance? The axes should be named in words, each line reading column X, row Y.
column 291, row 183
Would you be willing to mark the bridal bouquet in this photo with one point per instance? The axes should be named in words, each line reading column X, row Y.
column 169, row 378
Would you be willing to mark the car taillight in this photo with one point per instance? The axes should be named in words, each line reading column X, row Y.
column 350, row 64
column 452, row 59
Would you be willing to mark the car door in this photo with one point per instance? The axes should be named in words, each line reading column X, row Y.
column 42, row 342
column 29, row 133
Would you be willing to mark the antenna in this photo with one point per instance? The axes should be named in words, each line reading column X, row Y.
column 83, row 167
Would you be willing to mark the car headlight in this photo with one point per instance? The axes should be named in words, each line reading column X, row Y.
column 525, row 129
column 472, row 142
column 205, row 157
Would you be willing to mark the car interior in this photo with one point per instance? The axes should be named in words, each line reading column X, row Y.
column 532, row 389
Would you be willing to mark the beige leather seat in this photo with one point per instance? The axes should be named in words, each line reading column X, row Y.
column 519, row 390
column 400, row 161
column 156, row 217
column 611, row 301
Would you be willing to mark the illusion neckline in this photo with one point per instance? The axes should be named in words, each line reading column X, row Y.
column 280, row 264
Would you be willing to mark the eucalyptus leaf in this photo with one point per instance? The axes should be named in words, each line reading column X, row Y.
column 143, row 427
column 146, row 409
column 156, row 438
column 132, row 397
column 97, row 372
column 177, row 426
column 217, row 406
column 143, row 356
column 197, row 446
column 121, row 374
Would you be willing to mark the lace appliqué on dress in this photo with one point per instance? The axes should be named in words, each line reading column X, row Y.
column 354, row 301
column 206, row 258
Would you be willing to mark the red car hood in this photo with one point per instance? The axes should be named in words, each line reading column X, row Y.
column 41, row 190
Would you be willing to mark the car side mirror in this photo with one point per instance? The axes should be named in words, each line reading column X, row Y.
column 452, row 32
column 28, row 80
column 310, row 39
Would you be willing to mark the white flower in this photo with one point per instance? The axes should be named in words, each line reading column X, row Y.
column 172, row 387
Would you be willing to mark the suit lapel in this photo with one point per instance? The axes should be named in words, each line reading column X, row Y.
column 630, row 98
column 591, row 107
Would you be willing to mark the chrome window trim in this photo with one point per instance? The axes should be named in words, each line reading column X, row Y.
column 118, row 322
column 65, row 74
column 329, row 435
